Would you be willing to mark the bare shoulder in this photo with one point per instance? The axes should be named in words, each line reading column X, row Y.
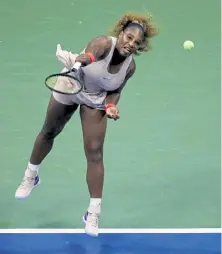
column 99, row 46
column 102, row 40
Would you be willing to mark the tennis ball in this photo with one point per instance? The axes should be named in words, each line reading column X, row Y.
column 188, row 45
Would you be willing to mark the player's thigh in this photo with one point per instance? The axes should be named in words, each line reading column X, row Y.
column 57, row 115
column 94, row 124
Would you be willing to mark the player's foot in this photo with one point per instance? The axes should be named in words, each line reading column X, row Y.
column 29, row 182
column 91, row 221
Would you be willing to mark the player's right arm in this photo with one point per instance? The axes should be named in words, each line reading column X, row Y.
column 99, row 47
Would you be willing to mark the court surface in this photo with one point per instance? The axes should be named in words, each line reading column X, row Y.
column 162, row 157
column 110, row 242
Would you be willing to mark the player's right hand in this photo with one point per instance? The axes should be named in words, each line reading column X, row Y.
column 84, row 59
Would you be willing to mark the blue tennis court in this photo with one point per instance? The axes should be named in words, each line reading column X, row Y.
column 122, row 242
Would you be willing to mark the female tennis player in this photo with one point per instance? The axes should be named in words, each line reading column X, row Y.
column 107, row 65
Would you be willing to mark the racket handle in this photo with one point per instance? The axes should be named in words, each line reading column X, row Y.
column 76, row 66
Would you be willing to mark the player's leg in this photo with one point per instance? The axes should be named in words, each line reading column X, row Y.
column 57, row 116
column 94, row 124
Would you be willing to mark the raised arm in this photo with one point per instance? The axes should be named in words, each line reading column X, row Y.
column 99, row 48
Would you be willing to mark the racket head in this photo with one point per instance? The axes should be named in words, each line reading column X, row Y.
column 68, row 83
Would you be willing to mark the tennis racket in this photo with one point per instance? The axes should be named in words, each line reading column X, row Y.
column 69, row 82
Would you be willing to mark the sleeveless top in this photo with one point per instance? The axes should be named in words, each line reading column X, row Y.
column 97, row 80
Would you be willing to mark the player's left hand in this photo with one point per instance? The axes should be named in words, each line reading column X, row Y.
column 112, row 112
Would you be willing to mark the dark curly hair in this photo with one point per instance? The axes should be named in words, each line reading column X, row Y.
column 150, row 29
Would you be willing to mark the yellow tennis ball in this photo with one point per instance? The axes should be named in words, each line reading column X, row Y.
column 188, row 45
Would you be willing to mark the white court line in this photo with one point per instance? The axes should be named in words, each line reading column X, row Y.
column 114, row 230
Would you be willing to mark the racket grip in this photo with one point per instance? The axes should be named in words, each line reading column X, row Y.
column 76, row 66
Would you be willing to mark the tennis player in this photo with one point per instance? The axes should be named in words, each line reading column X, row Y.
column 107, row 65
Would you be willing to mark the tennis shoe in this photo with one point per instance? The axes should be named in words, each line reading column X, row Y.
column 91, row 221
column 29, row 182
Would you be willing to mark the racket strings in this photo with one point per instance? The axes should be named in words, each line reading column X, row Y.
column 69, row 83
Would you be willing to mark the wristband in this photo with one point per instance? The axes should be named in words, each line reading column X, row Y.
column 109, row 106
column 91, row 56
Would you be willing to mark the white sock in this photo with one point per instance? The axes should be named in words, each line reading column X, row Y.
column 95, row 205
column 33, row 167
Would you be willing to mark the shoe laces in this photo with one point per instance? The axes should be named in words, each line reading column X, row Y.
column 26, row 182
column 94, row 220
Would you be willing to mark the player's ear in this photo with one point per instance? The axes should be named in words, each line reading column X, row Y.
column 121, row 34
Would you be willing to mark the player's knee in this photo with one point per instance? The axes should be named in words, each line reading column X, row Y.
column 94, row 151
column 49, row 134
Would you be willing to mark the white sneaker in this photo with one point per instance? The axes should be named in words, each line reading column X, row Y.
column 91, row 221
column 29, row 182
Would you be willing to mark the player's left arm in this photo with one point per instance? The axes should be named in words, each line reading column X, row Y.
column 113, row 97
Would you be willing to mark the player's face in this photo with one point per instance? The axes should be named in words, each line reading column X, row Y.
column 129, row 41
